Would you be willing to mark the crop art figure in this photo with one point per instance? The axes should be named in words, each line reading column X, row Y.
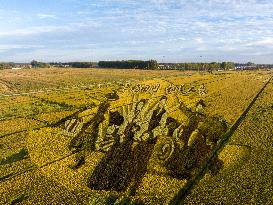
column 133, row 134
column 155, row 88
column 128, row 142
column 182, row 89
column 192, row 89
column 200, row 107
column 203, row 90
column 171, row 89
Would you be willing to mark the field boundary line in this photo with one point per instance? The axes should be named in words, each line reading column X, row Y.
column 14, row 174
column 185, row 191
column 58, row 89
column 34, row 167
column 17, row 132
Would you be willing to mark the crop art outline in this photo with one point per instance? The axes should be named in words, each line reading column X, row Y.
column 183, row 89
column 147, row 130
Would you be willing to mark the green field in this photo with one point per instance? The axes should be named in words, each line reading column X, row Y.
column 104, row 136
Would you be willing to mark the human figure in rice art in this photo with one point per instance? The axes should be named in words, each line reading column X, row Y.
column 130, row 136
column 128, row 143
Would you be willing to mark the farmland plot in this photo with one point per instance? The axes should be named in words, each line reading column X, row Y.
column 247, row 174
column 37, row 79
column 14, row 154
column 139, row 141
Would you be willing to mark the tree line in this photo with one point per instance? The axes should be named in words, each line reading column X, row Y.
column 10, row 65
column 6, row 66
column 130, row 64
column 125, row 64
column 75, row 64
column 213, row 66
column 138, row 64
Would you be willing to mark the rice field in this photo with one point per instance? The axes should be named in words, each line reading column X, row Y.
column 247, row 175
column 103, row 136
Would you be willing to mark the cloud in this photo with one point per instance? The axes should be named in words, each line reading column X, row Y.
column 263, row 42
column 35, row 31
column 199, row 40
column 18, row 46
column 46, row 16
column 177, row 29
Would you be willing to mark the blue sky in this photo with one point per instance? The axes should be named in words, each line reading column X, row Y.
column 165, row 30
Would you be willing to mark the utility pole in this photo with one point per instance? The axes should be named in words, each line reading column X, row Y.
column 198, row 66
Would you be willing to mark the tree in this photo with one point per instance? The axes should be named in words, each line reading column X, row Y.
column 152, row 64
column 36, row 64
column 227, row 65
column 250, row 64
column 83, row 64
